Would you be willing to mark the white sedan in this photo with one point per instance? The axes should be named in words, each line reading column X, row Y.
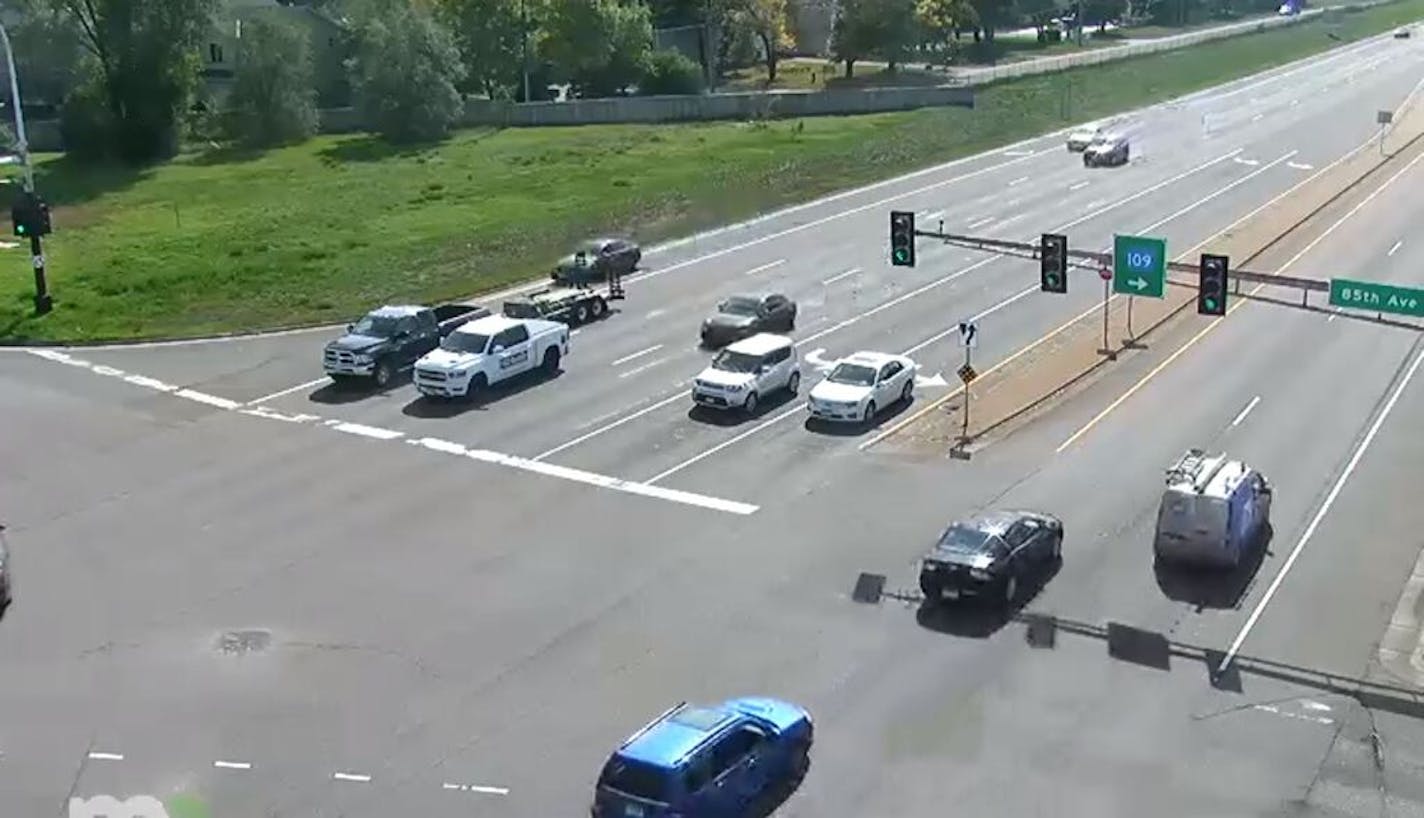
column 1081, row 138
column 861, row 385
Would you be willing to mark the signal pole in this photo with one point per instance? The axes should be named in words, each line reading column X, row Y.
column 43, row 302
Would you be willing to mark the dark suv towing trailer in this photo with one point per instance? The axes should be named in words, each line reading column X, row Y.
column 391, row 339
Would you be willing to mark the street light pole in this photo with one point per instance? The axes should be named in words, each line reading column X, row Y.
column 43, row 302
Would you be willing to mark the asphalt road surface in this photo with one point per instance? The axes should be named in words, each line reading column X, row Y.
column 236, row 582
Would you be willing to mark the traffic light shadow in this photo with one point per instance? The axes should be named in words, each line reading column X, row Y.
column 1214, row 588
column 1155, row 650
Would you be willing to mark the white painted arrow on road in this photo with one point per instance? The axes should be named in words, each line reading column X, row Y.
column 936, row 379
column 814, row 359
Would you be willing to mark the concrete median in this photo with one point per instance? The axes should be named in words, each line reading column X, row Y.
column 1030, row 380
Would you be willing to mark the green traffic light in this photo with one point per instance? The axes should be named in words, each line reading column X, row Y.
column 1211, row 303
column 901, row 255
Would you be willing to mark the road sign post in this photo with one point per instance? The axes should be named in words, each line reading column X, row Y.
column 966, row 376
column 1381, row 298
column 1383, row 119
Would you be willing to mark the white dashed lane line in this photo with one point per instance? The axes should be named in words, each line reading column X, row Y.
column 386, row 435
column 638, row 370
column 640, row 353
column 107, row 756
column 476, row 788
column 763, row 268
column 233, row 765
column 1395, row 248
column 1078, row 186
column 357, row 777
column 833, row 279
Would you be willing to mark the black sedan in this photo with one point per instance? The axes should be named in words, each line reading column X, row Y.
column 594, row 260
column 990, row 555
column 743, row 316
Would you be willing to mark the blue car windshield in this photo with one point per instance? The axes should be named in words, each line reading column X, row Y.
column 637, row 779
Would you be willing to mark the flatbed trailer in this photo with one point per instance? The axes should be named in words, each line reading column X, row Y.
column 572, row 305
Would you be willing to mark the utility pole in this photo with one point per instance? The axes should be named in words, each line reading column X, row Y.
column 43, row 302
column 1080, row 23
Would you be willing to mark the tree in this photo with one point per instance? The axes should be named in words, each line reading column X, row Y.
column 939, row 20
column 600, row 47
column 1038, row 13
column 856, row 32
column 47, row 52
column 899, row 31
column 1102, row 12
column 492, row 36
column 142, row 68
column 770, row 21
column 404, row 75
column 273, row 96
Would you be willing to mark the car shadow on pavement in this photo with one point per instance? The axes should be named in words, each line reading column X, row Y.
column 337, row 394
column 980, row 619
column 833, row 428
column 727, row 418
column 1216, row 588
column 423, row 407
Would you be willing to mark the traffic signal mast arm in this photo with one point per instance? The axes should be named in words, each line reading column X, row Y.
column 1096, row 260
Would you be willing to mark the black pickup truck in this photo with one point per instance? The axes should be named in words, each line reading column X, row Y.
column 390, row 340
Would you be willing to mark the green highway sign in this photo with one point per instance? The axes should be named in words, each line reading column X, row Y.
column 1367, row 295
column 1139, row 266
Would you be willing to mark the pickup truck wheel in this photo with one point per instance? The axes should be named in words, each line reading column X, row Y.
column 478, row 383
column 384, row 373
column 551, row 361
column 598, row 307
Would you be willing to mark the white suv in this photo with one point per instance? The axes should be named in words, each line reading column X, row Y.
column 745, row 372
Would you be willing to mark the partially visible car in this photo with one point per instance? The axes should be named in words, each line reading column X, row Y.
column 595, row 259
column 706, row 761
column 1080, row 138
column 747, row 314
column 1108, row 149
column 4, row 572
column 390, row 339
column 862, row 384
column 745, row 372
column 989, row 556
column 1402, row 34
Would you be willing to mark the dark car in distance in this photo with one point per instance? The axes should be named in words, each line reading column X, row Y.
column 989, row 556
column 745, row 315
column 593, row 260
column 4, row 572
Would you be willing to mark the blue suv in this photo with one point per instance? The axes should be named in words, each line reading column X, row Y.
column 706, row 761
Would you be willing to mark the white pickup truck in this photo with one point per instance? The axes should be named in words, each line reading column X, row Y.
column 489, row 350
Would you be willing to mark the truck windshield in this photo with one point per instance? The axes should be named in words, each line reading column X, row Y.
column 376, row 326
column 729, row 361
column 853, row 375
column 467, row 342
column 636, row 779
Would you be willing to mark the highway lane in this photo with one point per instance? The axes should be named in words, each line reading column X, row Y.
column 261, row 367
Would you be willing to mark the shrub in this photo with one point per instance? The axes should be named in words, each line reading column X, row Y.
column 671, row 72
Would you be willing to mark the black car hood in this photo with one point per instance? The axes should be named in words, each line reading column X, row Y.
column 725, row 320
column 357, row 343
column 975, row 560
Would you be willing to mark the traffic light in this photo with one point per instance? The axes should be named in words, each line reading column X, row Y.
column 1053, row 263
column 30, row 215
column 1211, row 286
column 902, row 238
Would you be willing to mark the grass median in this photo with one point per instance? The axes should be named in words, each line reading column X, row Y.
column 216, row 242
